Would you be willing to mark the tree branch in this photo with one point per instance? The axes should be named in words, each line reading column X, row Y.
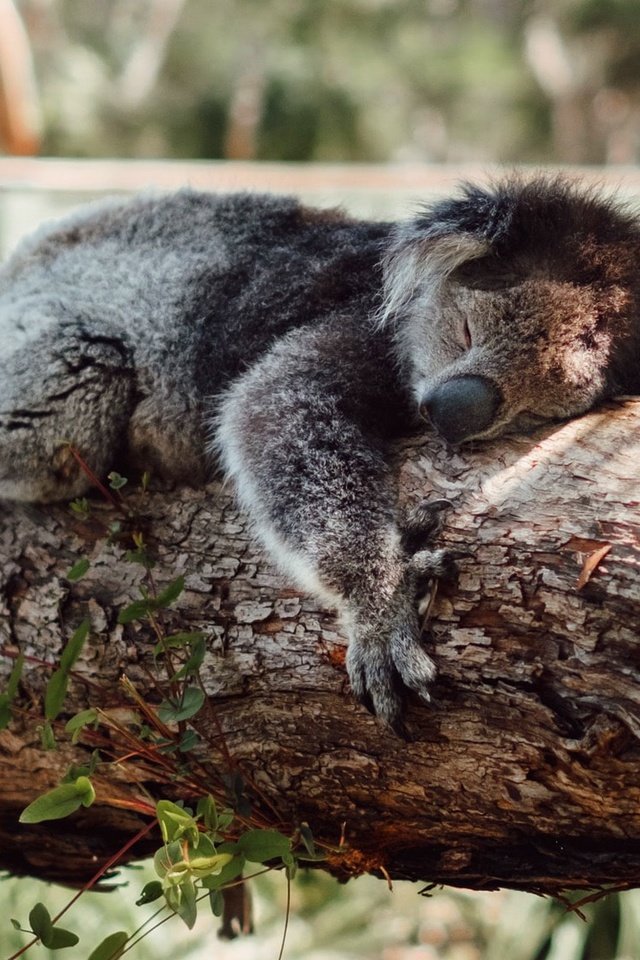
column 524, row 771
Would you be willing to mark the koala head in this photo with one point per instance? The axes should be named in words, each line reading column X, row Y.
column 515, row 304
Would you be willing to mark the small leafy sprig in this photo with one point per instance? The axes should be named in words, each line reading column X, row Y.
column 204, row 850
column 43, row 928
column 197, row 861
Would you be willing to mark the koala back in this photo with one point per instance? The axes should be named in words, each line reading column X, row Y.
column 192, row 275
column 187, row 291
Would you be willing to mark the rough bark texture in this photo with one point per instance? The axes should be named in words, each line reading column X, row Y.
column 524, row 772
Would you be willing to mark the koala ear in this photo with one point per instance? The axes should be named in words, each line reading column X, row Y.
column 420, row 260
column 487, row 272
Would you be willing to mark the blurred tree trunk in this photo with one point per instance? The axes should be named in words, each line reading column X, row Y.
column 246, row 104
column 139, row 73
column 524, row 771
column 19, row 103
column 593, row 96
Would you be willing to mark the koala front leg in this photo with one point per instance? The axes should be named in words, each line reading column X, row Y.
column 303, row 436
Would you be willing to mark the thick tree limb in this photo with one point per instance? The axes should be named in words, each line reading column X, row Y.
column 524, row 772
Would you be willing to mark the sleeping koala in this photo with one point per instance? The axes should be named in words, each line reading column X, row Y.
column 304, row 343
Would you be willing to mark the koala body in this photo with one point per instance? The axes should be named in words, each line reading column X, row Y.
column 292, row 346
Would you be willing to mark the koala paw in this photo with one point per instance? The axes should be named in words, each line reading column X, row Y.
column 383, row 665
column 386, row 657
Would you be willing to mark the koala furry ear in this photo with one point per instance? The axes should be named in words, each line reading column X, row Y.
column 486, row 272
column 420, row 259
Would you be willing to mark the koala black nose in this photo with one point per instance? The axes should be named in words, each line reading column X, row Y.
column 462, row 407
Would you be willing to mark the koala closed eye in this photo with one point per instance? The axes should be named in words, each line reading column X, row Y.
column 467, row 339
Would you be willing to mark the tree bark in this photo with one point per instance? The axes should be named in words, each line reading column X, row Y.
column 523, row 772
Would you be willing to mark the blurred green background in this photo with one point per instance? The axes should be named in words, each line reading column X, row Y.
column 361, row 920
column 375, row 81
column 334, row 80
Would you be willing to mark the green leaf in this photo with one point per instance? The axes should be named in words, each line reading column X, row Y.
column 55, row 693
column 259, row 846
column 60, row 802
column 193, row 664
column 208, row 812
column 176, row 640
column 6, row 699
column 47, row 736
column 225, row 818
column 188, row 741
column 150, row 892
column 5, row 711
column 80, row 506
column 14, row 678
column 307, row 838
column 56, row 689
column 74, row 647
column 170, row 593
column 85, row 787
column 137, row 610
column 200, row 867
column 176, row 822
column 185, row 904
column 165, row 859
column 42, row 927
column 116, row 482
column 190, row 704
column 139, row 555
column 78, row 570
column 76, row 724
column 230, row 871
column 140, row 609
column 76, row 770
column 15, row 924
column 111, row 947
column 59, row 938
column 203, row 848
column 40, row 921
column 216, row 902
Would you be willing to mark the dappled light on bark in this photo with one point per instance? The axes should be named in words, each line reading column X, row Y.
column 523, row 771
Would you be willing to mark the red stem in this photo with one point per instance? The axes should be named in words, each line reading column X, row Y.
column 94, row 879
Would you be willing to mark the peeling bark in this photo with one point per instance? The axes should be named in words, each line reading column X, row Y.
column 524, row 771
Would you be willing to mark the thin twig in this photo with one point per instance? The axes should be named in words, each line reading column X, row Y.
column 90, row 883
column 286, row 917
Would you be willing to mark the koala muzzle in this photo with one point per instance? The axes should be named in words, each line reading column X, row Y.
column 462, row 408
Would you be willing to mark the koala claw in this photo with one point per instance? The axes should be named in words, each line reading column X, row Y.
column 380, row 673
column 425, row 568
column 413, row 663
column 375, row 681
column 422, row 523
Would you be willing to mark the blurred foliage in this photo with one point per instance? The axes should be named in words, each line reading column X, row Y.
column 341, row 80
column 360, row 921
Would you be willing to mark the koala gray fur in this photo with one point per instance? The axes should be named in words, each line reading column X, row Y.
column 303, row 342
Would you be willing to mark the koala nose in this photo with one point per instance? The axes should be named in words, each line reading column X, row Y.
column 462, row 407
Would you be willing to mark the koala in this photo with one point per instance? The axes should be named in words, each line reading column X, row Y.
column 291, row 347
